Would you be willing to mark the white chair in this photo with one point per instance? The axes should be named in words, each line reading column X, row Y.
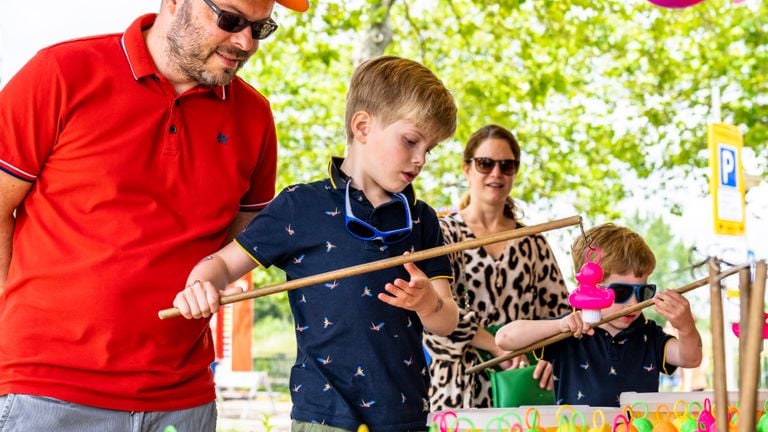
column 251, row 380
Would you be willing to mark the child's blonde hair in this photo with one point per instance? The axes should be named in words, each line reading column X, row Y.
column 624, row 251
column 393, row 88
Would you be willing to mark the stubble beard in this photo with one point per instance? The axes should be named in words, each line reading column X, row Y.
column 187, row 52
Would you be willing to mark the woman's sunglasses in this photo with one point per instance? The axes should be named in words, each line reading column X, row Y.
column 234, row 23
column 624, row 291
column 485, row 165
column 365, row 231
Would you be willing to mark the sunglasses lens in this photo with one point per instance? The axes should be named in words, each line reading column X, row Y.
column 359, row 230
column 484, row 165
column 647, row 292
column 230, row 22
column 262, row 30
column 508, row 166
column 623, row 292
column 396, row 237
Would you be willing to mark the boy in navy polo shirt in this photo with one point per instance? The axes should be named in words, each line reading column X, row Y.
column 625, row 354
column 359, row 359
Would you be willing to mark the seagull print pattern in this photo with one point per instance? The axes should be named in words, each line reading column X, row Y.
column 317, row 318
column 376, row 327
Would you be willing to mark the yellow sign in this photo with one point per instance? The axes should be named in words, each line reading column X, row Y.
column 726, row 178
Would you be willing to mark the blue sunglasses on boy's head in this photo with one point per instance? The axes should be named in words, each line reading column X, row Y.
column 624, row 291
column 365, row 231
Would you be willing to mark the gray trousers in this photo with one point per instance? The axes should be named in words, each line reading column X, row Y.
column 24, row 413
column 299, row 426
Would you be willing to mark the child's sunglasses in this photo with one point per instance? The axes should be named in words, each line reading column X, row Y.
column 234, row 23
column 485, row 165
column 624, row 291
column 365, row 231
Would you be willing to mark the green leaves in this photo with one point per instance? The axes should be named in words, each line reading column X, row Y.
column 594, row 90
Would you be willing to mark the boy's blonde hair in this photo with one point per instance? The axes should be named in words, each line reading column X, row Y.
column 624, row 251
column 391, row 88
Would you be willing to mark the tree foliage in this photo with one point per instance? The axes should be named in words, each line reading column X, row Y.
column 597, row 92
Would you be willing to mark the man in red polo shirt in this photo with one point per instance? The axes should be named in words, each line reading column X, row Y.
column 124, row 159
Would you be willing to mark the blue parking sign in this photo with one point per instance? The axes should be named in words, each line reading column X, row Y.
column 728, row 166
column 726, row 182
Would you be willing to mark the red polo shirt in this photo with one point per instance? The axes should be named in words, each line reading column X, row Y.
column 131, row 186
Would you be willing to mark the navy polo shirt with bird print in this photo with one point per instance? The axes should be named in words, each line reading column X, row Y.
column 359, row 360
column 595, row 370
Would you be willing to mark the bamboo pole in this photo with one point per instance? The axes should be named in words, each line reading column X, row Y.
column 754, row 342
column 718, row 345
column 564, row 335
column 745, row 287
column 391, row 262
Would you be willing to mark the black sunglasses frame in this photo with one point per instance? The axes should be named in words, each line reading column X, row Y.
column 234, row 23
column 485, row 165
column 641, row 292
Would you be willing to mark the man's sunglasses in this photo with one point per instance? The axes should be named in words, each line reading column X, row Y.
column 234, row 23
column 485, row 165
column 365, row 231
column 624, row 291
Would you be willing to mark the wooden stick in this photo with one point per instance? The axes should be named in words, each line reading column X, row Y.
column 718, row 345
column 564, row 335
column 753, row 341
column 391, row 262
column 745, row 286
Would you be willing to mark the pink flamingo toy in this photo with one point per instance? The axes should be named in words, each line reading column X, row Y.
column 587, row 296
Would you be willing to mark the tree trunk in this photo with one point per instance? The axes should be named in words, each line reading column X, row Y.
column 374, row 41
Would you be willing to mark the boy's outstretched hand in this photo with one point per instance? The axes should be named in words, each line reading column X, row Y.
column 684, row 351
column 676, row 309
column 416, row 295
column 431, row 300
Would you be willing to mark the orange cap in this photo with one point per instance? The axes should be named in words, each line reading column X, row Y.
column 297, row 5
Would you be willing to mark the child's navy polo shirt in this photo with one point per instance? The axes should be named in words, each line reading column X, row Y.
column 359, row 360
column 595, row 370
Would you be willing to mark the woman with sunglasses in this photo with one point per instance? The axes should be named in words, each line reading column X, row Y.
column 494, row 284
column 623, row 355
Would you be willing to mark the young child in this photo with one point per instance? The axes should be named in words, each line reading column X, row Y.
column 360, row 358
column 625, row 354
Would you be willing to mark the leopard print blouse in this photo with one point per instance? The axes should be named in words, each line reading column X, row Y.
column 525, row 282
